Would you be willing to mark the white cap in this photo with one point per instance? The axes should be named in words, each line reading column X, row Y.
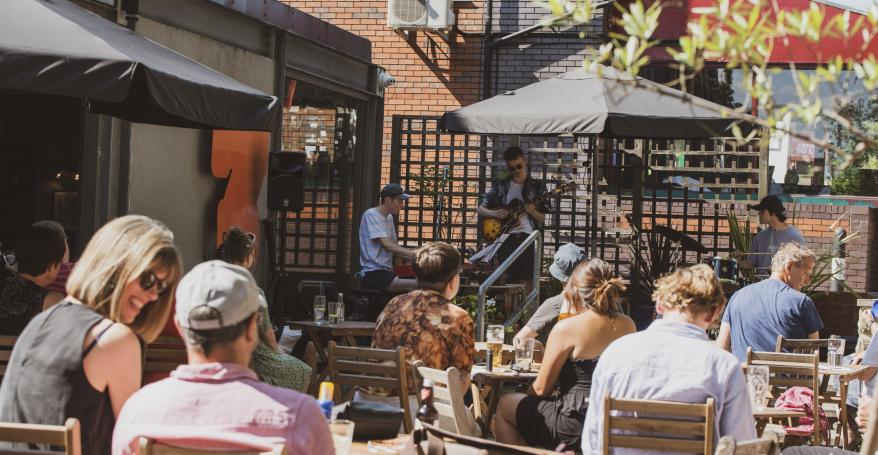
column 228, row 289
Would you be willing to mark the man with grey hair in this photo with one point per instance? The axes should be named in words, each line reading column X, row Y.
column 215, row 401
column 758, row 313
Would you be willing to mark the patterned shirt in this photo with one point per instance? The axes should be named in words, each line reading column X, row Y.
column 533, row 189
column 429, row 328
column 20, row 301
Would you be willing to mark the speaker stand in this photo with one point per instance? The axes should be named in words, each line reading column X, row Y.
column 281, row 286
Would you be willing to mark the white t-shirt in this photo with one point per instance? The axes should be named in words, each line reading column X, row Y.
column 515, row 192
column 373, row 226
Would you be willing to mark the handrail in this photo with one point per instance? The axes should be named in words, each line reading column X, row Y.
column 533, row 239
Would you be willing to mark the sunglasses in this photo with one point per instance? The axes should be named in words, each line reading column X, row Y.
column 148, row 280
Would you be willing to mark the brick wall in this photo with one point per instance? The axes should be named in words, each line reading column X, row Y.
column 434, row 77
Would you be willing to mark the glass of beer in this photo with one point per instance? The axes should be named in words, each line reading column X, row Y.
column 494, row 338
column 835, row 351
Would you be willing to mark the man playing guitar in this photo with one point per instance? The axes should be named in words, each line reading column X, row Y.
column 526, row 189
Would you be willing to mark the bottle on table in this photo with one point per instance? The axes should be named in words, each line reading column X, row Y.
column 340, row 307
column 324, row 398
column 427, row 412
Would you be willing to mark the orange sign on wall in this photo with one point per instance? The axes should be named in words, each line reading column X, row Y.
column 245, row 154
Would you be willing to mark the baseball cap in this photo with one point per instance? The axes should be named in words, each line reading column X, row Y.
column 567, row 258
column 394, row 190
column 771, row 203
column 229, row 289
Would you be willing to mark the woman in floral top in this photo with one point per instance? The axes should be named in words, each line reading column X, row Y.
column 424, row 322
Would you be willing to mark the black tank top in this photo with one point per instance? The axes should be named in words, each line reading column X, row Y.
column 46, row 384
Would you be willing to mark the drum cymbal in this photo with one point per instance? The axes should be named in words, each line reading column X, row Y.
column 687, row 242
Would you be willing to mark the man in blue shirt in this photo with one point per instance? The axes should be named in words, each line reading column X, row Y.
column 772, row 213
column 760, row 312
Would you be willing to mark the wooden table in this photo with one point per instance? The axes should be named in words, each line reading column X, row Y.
column 846, row 374
column 487, row 386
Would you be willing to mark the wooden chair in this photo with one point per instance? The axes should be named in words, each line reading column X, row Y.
column 662, row 421
column 7, row 342
column 787, row 370
column 768, row 444
column 150, row 447
column 164, row 355
column 366, row 367
column 66, row 436
column 448, row 399
column 800, row 345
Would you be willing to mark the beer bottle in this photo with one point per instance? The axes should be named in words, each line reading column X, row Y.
column 427, row 413
column 324, row 398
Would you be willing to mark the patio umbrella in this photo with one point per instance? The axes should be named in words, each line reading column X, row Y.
column 55, row 47
column 583, row 102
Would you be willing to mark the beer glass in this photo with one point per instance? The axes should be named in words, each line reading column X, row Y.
column 319, row 308
column 835, row 351
column 757, row 385
column 494, row 337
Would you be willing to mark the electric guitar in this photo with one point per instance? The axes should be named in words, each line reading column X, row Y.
column 492, row 228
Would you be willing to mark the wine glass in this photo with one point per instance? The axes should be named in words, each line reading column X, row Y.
column 319, row 308
column 757, row 385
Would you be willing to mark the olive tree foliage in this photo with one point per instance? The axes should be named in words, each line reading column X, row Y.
column 743, row 34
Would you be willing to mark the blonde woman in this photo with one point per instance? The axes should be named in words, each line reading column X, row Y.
column 82, row 357
column 673, row 360
column 540, row 419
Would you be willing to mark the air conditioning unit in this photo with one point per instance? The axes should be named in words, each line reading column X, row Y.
column 420, row 14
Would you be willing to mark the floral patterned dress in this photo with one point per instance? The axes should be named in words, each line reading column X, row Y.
column 275, row 368
column 429, row 328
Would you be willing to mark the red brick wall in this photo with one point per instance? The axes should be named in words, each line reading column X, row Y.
column 432, row 76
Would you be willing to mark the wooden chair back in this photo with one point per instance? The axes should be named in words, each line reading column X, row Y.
column 164, row 355
column 150, row 447
column 800, row 345
column 448, row 399
column 7, row 342
column 768, row 444
column 66, row 436
column 790, row 370
column 658, row 425
column 366, row 367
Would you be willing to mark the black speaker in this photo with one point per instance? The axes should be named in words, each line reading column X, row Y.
column 286, row 181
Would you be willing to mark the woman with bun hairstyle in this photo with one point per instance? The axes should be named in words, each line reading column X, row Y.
column 540, row 419
column 269, row 362
column 82, row 357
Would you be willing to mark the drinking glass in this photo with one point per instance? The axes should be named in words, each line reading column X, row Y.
column 757, row 385
column 835, row 351
column 524, row 353
column 494, row 338
column 332, row 315
column 342, row 435
column 319, row 308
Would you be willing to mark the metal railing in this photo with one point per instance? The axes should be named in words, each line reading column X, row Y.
column 534, row 240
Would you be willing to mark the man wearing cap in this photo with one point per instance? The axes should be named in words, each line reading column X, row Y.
column 378, row 243
column 566, row 259
column 215, row 401
column 767, row 241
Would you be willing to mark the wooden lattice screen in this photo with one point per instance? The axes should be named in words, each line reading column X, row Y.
column 685, row 184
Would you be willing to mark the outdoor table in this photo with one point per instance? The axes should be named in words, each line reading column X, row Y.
column 323, row 332
column 846, row 374
column 487, row 386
